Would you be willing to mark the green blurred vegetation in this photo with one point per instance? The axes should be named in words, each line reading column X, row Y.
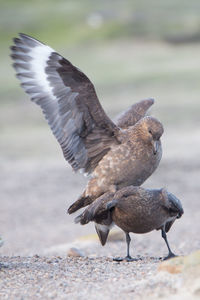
column 82, row 21
column 130, row 49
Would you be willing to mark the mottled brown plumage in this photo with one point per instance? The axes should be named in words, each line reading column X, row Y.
column 133, row 209
column 116, row 155
column 129, row 163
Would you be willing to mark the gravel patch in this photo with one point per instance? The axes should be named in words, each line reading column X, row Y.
column 82, row 278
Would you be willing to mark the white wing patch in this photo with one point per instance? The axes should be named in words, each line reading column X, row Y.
column 40, row 55
column 30, row 63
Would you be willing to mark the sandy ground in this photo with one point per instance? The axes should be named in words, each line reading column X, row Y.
column 38, row 233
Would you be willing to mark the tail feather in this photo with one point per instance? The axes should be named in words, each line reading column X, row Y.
column 102, row 231
column 78, row 219
column 81, row 202
column 85, row 217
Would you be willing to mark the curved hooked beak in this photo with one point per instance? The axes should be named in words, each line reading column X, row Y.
column 181, row 212
column 156, row 145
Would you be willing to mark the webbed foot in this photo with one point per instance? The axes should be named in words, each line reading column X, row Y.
column 127, row 258
column 170, row 255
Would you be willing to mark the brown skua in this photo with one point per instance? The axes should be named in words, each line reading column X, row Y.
column 133, row 209
column 116, row 155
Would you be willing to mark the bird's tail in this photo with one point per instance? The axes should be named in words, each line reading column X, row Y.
column 102, row 231
column 85, row 217
column 81, row 202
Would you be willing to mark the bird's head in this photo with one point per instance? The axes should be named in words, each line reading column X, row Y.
column 151, row 130
column 172, row 204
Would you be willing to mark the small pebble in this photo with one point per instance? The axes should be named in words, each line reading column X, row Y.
column 74, row 252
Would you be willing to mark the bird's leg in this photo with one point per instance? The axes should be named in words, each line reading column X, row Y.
column 128, row 257
column 128, row 240
column 164, row 236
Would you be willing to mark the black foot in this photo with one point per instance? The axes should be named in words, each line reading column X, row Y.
column 127, row 258
column 170, row 255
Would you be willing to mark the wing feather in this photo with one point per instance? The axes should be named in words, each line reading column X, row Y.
column 134, row 113
column 68, row 101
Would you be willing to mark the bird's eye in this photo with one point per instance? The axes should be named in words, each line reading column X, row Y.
column 150, row 132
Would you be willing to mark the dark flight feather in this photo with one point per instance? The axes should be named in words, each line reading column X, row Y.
column 68, row 100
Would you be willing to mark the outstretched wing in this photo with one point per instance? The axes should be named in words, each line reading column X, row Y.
column 134, row 113
column 68, row 100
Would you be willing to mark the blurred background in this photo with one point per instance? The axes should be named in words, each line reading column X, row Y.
column 131, row 50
